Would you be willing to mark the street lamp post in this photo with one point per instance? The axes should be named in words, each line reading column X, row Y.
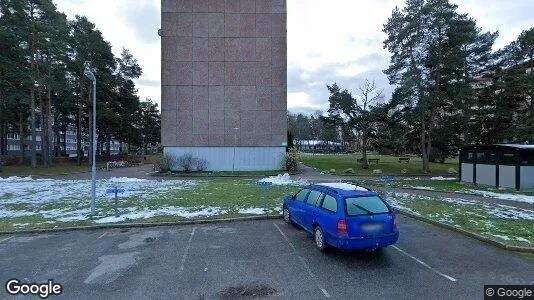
column 89, row 74
column 235, row 144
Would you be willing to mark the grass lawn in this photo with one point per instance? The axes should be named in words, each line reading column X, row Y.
column 453, row 186
column 388, row 164
column 507, row 224
column 29, row 204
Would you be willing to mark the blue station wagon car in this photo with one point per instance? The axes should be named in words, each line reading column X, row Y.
column 343, row 216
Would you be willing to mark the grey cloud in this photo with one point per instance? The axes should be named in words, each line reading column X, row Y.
column 144, row 18
column 327, row 75
column 147, row 82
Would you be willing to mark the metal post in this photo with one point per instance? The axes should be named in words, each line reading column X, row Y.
column 265, row 196
column 89, row 74
column 93, row 169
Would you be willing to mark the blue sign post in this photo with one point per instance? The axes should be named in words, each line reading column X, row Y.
column 116, row 191
column 265, row 187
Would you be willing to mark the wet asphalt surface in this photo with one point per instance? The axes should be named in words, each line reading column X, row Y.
column 256, row 258
column 225, row 260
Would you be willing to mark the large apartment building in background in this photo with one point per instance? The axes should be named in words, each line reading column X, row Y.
column 67, row 146
column 224, row 82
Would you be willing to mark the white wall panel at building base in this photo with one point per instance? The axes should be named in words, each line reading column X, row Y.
column 486, row 174
column 246, row 158
column 527, row 177
column 507, row 176
column 467, row 173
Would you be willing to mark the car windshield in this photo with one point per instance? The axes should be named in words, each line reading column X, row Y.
column 358, row 206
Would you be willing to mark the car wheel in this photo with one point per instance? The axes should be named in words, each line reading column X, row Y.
column 320, row 242
column 285, row 214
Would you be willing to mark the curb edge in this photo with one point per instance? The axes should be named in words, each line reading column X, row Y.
column 467, row 233
column 141, row 225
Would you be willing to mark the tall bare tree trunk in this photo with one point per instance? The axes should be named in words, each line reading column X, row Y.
column 43, row 127
column 424, row 143
column 79, row 135
column 33, row 132
column 3, row 128
column 33, row 54
column 365, row 162
column 21, row 138
column 48, row 134
column 65, row 141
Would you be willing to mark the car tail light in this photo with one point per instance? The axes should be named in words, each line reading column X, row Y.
column 395, row 221
column 342, row 226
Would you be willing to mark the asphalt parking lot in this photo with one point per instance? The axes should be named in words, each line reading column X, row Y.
column 220, row 260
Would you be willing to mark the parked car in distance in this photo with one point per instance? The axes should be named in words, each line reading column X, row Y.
column 343, row 216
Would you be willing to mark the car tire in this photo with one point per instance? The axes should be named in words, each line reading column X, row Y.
column 285, row 215
column 320, row 242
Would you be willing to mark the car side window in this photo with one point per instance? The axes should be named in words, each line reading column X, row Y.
column 329, row 203
column 301, row 196
column 314, row 197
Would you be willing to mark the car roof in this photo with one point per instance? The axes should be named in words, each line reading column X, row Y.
column 344, row 189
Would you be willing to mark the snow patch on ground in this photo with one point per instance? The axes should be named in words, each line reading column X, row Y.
column 14, row 179
column 69, row 200
column 522, row 239
column 424, row 188
column 126, row 179
column 512, row 197
column 165, row 211
column 441, row 178
column 502, row 237
column 252, row 211
column 25, row 190
column 14, row 213
column 401, row 200
column 283, row 180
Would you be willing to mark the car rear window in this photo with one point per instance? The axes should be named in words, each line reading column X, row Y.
column 365, row 206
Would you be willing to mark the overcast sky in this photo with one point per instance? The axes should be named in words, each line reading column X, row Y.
column 328, row 40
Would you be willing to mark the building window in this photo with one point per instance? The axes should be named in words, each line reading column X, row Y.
column 13, row 136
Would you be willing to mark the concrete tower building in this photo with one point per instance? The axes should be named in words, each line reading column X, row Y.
column 224, row 81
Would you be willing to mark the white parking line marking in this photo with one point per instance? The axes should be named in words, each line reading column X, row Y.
column 186, row 251
column 424, row 264
column 6, row 239
column 103, row 234
column 306, row 266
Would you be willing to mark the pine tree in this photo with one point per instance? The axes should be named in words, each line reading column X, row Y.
column 436, row 53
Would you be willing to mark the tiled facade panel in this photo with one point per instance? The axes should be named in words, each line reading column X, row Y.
column 224, row 66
